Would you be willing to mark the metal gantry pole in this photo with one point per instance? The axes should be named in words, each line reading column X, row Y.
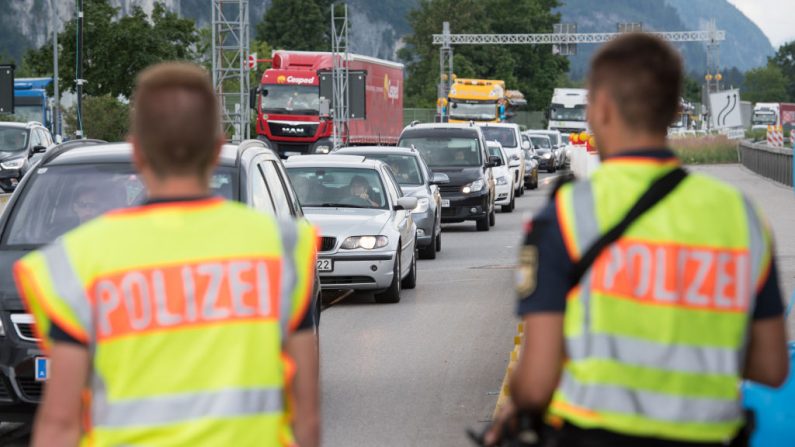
column 340, row 95
column 79, row 71
column 445, row 73
column 230, row 48
column 56, row 116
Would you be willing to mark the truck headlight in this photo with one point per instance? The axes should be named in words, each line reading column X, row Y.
column 365, row 242
column 502, row 180
column 475, row 186
column 323, row 149
column 422, row 205
column 13, row 164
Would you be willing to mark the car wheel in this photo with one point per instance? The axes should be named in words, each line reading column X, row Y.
column 519, row 191
column 482, row 224
column 439, row 242
column 509, row 207
column 535, row 181
column 410, row 281
column 429, row 251
column 392, row 294
column 492, row 218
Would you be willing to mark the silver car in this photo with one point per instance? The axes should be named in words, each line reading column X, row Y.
column 416, row 180
column 368, row 236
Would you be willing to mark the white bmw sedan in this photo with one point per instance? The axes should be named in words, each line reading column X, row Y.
column 368, row 237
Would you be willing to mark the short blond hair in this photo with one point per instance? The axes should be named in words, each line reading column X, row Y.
column 175, row 118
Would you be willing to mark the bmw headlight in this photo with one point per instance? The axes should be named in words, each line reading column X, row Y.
column 502, row 180
column 422, row 205
column 13, row 164
column 322, row 149
column 475, row 186
column 365, row 242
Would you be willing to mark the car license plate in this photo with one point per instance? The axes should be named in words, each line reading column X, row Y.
column 445, row 203
column 291, row 153
column 325, row 265
column 41, row 368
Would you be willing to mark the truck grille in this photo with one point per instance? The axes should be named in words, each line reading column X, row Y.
column 30, row 387
column 24, row 326
column 292, row 130
column 281, row 148
column 327, row 243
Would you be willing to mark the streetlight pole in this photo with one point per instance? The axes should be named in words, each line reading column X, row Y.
column 56, row 116
column 79, row 72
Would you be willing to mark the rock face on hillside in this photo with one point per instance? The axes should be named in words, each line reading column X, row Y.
column 377, row 26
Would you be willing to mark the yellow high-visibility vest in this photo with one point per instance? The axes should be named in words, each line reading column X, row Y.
column 184, row 307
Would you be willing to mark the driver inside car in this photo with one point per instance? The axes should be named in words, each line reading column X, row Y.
column 360, row 189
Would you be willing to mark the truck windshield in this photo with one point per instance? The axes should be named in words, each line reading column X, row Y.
column 28, row 112
column 59, row 198
column 557, row 112
column 473, row 110
column 445, row 151
column 764, row 118
column 295, row 99
column 504, row 135
column 13, row 139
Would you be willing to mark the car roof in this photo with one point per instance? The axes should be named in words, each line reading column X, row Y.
column 332, row 160
column 493, row 143
column 101, row 152
column 387, row 150
column 426, row 126
column 511, row 125
column 542, row 131
column 17, row 124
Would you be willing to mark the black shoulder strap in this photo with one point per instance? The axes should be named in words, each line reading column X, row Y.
column 656, row 192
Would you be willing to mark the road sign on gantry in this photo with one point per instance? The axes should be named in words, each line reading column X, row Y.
column 724, row 108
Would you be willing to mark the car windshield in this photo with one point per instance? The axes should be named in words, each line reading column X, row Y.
column 559, row 113
column 504, row 135
column 404, row 167
column 473, row 110
column 59, row 198
column 338, row 187
column 541, row 142
column 13, row 139
column 298, row 99
column 553, row 138
column 446, row 151
column 495, row 151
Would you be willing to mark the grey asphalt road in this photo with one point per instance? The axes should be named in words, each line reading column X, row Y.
column 419, row 372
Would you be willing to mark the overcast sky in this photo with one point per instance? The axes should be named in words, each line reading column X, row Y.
column 775, row 17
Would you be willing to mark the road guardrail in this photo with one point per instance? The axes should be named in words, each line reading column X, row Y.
column 774, row 163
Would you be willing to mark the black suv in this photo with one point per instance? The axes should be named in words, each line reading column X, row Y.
column 458, row 150
column 19, row 142
column 53, row 199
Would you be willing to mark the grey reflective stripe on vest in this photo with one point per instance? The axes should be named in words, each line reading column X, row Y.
column 638, row 352
column 756, row 246
column 584, row 218
column 178, row 408
column 659, row 406
column 67, row 284
column 289, row 235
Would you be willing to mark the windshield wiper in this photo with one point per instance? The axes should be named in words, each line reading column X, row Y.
column 340, row 205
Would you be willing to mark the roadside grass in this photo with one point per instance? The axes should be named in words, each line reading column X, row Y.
column 711, row 149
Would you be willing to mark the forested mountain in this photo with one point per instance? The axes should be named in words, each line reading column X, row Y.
column 379, row 25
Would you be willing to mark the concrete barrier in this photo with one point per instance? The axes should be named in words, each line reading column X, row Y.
column 771, row 162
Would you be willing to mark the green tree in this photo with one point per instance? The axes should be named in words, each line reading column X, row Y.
column 116, row 49
column 784, row 59
column 765, row 84
column 301, row 25
column 691, row 89
column 534, row 70
column 104, row 117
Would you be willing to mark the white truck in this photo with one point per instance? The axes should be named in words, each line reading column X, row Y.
column 765, row 114
column 567, row 110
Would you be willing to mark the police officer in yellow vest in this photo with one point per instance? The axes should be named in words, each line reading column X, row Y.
column 183, row 321
column 647, row 345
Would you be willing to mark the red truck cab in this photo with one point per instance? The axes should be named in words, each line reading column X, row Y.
column 292, row 91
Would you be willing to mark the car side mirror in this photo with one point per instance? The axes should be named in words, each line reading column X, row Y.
column 39, row 149
column 493, row 162
column 406, row 203
column 252, row 98
column 525, row 145
column 440, row 178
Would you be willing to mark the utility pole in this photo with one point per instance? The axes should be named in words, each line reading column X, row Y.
column 56, row 116
column 79, row 71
